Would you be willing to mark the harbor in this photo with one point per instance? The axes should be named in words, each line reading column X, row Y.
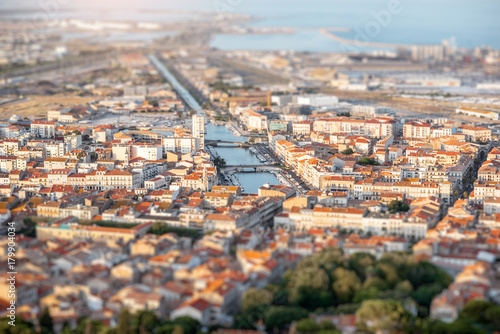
column 249, row 179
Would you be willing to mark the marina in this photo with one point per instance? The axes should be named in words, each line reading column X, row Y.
column 249, row 181
column 247, row 178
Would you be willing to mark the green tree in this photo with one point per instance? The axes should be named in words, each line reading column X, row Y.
column 161, row 228
column 492, row 316
column 124, row 322
column 309, row 284
column 178, row 329
column 145, row 321
column 311, row 298
column 279, row 317
column 375, row 282
column 388, row 272
column 219, row 162
column 481, row 312
column 360, row 263
column 326, row 325
column 29, row 228
column 366, row 294
column 66, row 328
column 347, row 151
column 475, row 310
column 425, row 272
column 46, row 322
column 365, row 161
column 432, row 326
column 399, row 260
column 307, row 326
column 167, row 328
column 346, row 284
column 313, row 276
column 21, row 327
column 381, row 315
column 254, row 297
column 405, row 287
column 424, row 294
column 398, row 206
column 89, row 327
column 189, row 325
column 329, row 258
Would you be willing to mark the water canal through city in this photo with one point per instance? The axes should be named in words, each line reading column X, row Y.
column 239, row 156
column 232, row 155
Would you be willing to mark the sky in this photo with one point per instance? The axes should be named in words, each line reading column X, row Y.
column 472, row 22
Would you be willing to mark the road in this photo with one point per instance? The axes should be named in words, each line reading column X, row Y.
column 296, row 181
column 59, row 75
column 80, row 61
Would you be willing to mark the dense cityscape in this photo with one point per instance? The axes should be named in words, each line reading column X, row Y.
column 154, row 179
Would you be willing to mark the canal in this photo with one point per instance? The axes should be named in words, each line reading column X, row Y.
column 176, row 86
column 239, row 156
column 233, row 155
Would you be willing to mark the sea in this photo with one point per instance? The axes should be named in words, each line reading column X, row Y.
column 469, row 23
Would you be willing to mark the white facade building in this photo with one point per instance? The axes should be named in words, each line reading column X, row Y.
column 317, row 100
column 198, row 129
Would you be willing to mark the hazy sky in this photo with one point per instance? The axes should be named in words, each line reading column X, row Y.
column 245, row 5
column 472, row 22
column 110, row 4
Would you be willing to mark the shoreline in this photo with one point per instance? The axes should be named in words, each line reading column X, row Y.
column 343, row 40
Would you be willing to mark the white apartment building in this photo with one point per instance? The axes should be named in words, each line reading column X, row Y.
column 121, row 152
column 302, row 128
column 475, row 133
column 181, row 144
column 43, row 129
column 317, row 100
column 74, row 140
column 491, row 206
column 103, row 179
column 322, row 218
column 442, row 131
column 256, row 121
column 198, row 129
column 416, row 130
column 9, row 146
column 371, row 111
column 147, row 151
column 79, row 211
column 156, row 183
column 12, row 131
column 56, row 150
